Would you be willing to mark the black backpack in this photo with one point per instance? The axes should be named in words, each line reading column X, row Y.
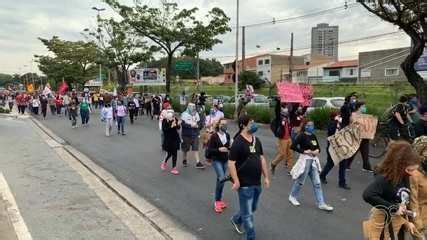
column 275, row 127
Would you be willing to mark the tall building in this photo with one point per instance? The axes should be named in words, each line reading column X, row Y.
column 324, row 40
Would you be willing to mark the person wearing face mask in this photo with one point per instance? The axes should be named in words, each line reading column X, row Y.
column 121, row 116
column 308, row 165
column 389, row 194
column 246, row 165
column 85, row 112
column 170, row 127
column 217, row 149
column 190, row 135
column 211, row 121
column 297, row 118
column 284, row 141
column 334, row 126
column 360, row 108
column 345, row 113
column 418, row 182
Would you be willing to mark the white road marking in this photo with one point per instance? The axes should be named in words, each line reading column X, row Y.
column 18, row 222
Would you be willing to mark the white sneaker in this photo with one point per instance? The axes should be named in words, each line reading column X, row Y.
column 326, row 207
column 294, row 201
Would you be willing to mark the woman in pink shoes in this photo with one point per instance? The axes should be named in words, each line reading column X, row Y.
column 170, row 127
column 218, row 147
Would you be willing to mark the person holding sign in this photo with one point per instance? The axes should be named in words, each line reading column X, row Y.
column 333, row 127
column 283, row 132
column 308, row 165
column 360, row 108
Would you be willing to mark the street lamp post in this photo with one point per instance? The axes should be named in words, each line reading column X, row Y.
column 99, row 10
column 236, row 87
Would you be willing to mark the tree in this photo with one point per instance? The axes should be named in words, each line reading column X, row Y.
column 250, row 78
column 120, row 47
column 5, row 79
column 173, row 29
column 411, row 17
column 72, row 61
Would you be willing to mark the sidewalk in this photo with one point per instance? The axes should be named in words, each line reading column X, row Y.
column 54, row 198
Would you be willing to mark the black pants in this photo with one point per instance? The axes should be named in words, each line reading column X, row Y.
column 52, row 109
column 174, row 155
column 36, row 110
column 364, row 151
column 44, row 111
column 132, row 115
column 341, row 172
column 21, row 109
column 10, row 106
column 73, row 117
column 149, row 112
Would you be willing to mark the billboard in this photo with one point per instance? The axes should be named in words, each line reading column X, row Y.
column 147, row 77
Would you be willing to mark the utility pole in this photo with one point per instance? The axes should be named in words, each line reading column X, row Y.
column 236, row 87
column 243, row 48
column 291, row 57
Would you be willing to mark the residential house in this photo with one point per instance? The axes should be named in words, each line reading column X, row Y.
column 270, row 67
column 341, row 71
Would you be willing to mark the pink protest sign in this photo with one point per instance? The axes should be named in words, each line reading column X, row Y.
column 295, row 93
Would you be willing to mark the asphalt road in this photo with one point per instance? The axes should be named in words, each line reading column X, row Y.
column 135, row 160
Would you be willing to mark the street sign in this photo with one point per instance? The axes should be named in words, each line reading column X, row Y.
column 103, row 76
column 184, row 66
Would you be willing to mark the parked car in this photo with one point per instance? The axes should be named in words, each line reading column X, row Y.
column 326, row 102
column 258, row 100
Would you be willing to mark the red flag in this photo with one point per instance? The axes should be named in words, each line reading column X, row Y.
column 63, row 88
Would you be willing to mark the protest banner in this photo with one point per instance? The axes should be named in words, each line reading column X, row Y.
column 147, row 77
column 367, row 125
column 345, row 143
column 295, row 93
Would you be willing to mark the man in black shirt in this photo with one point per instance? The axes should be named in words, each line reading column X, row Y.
column 132, row 110
column 246, row 165
column 345, row 112
column 400, row 120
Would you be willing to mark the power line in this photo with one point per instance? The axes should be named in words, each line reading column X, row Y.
column 309, row 15
column 339, row 43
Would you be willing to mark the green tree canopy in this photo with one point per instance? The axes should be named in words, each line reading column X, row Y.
column 120, row 46
column 173, row 29
column 73, row 61
column 411, row 17
column 250, row 78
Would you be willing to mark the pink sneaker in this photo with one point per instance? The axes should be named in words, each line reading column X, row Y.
column 174, row 171
column 163, row 166
column 217, row 207
column 222, row 204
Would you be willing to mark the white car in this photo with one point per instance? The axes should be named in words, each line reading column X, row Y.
column 326, row 102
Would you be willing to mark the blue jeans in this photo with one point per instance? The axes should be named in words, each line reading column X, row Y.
column 248, row 199
column 121, row 124
column 220, row 169
column 313, row 173
column 84, row 114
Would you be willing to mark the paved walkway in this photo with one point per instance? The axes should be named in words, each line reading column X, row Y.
column 55, row 199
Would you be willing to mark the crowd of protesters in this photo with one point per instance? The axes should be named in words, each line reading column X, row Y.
column 398, row 191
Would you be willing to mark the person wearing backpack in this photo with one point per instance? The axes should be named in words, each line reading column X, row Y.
column 283, row 131
column 399, row 120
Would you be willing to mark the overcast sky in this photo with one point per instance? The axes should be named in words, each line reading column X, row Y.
column 23, row 21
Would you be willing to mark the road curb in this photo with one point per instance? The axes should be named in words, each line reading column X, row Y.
column 158, row 220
